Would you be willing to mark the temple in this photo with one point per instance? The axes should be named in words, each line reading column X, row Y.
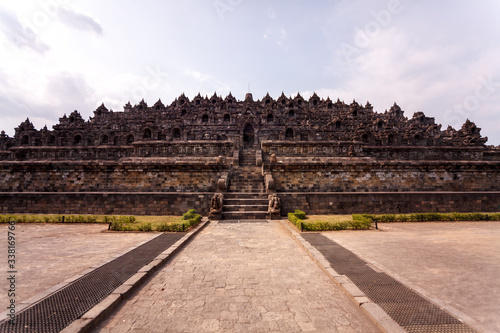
column 313, row 154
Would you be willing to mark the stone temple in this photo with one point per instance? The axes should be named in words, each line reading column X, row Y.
column 233, row 157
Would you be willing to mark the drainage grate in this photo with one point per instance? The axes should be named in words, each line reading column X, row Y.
column 54, row 313
column 410, row 310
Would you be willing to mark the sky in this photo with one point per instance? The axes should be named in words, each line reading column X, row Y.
column 442, row 58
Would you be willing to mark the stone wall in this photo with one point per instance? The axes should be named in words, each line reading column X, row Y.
column 136, row 175
column 358, row 149
column 130, row 203
column 312, row 203
column 367, row 175
column 205, row 148
column 390, row 203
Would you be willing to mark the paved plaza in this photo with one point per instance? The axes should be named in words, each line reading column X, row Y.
column 454, row 264
column 48, row 254
column 254, row 277
column 240, row 277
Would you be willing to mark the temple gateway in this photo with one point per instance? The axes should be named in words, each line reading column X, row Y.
column 247, row 159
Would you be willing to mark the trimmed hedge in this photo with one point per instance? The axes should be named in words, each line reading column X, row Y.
column 180, row 226
column 51, row 219
column 434, row 217
column 189, row 219
column 117, row 223
column 358, row 223
column 364, row 221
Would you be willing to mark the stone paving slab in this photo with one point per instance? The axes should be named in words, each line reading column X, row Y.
column 48, row 254
column 454, row 264
column 241, row 277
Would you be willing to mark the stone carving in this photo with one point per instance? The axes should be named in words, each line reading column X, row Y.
column 218, row 119
column 216, row 203
column 223, row 182
column 274, row 204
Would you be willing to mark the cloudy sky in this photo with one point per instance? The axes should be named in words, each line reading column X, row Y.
column 442, row 58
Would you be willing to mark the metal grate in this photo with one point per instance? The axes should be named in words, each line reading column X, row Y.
column 410, row 310
column 54, row 313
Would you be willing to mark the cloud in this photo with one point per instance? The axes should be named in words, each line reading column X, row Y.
column 277, row 34
column 79, row 21
column 438, row 76
column 21, row 35
column 197, row 75
column 63, row 93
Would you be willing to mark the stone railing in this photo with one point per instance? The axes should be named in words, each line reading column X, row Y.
column 358, row 149
column 269, row 181
column 223, row 182
column 236, row 157
column 312, row 148
column 71, row 153
column 186, row 148
column 108, row 152
column 258, row 157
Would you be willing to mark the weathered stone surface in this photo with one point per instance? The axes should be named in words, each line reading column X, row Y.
column 102, row 203
column 391, row 203
column 143, row 130
column 240, row 277
column 370, row 175
column 209, row 145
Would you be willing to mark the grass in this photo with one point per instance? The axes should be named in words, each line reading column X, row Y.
column 364, row 221
column 328, row 222
column 117, row 222
column 73, row 218
column 434, row 217
column 329, row 218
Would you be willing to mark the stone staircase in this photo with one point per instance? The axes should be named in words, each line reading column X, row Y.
column 246, row 198
column 245, row 206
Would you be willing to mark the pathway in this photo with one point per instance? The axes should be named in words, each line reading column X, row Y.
column 240, row 277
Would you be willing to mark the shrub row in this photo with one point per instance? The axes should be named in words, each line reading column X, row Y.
column 117, row 223
column 124, row 223
column 430, row 217
column 51, row 219
column 189, row 219
column 359, row 222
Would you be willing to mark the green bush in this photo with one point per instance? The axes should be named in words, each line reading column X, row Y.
column 430, row 217
column 494, row 217
column 292, row 217
column 186, row 223
column 300, row 214
column 189, row 214
column 359, row 222
column 145, row 227
column 325, row 226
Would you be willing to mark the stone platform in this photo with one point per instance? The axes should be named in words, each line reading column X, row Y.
column 252, row 276
column 242, row 277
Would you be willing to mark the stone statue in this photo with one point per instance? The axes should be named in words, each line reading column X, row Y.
column 274, row 204
column 216, row 203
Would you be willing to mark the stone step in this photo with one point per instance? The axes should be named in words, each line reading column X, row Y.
column 249, row 191
column 235, row 186
column 243, row 195
column 244, row 215
column 245, row 208
column 243, row 181
column 232, row 202
column 247, row 176
column 259, row 187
